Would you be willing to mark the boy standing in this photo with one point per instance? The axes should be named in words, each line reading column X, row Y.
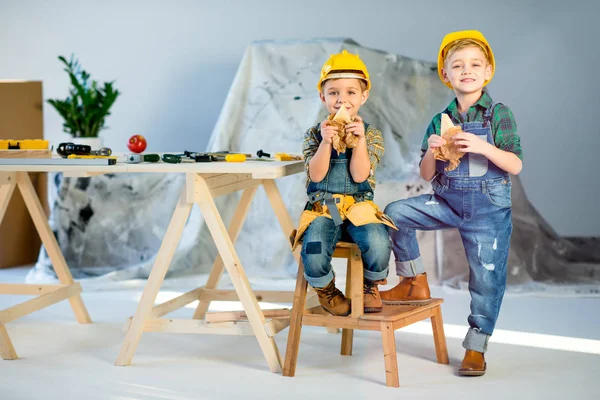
column 474, row 197
column 340, row 183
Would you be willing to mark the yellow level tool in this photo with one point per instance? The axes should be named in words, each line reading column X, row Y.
column 76, row 156
column 26, row 144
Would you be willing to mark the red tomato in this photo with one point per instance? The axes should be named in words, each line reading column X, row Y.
column 137, row 143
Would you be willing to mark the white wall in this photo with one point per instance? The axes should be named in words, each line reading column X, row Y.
column 174, row 62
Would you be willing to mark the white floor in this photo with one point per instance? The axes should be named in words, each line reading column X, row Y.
column 544, row 348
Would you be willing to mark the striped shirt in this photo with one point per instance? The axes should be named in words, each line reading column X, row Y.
column 375, row 148
column 504, row 127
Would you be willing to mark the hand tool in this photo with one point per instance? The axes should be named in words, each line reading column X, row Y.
column 140, row 158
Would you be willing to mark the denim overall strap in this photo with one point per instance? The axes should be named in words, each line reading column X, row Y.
column 475, row 165
column 338, row 179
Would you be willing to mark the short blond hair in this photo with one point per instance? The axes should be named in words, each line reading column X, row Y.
column 464, row 43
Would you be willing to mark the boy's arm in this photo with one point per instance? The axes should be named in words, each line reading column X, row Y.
column 427, row 166
column 316, row 155
column 506, row 152
column 367, row 153
column 360, row 163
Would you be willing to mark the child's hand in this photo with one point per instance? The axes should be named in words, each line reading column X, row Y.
column 357, row 128
column 435, row 141
column 469, row 143
column 327, row 131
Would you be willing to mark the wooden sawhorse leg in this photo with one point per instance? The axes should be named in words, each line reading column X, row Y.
column 157, row 275
column 236, row 273
column 47, row 294
column 234, row 230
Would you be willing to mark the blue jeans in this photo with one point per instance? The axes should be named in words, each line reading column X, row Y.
column 319, row 243
column 481, row 210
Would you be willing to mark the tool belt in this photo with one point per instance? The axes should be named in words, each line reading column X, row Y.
column 359, row 209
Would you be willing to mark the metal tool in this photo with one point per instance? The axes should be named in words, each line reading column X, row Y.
column 140, row 158
column 104, row 151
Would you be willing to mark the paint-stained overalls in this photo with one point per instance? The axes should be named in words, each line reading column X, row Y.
column 475, row 198
column 322, row 234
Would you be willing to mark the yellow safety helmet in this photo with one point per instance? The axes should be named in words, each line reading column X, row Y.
column 344, row 65
column 454, row 36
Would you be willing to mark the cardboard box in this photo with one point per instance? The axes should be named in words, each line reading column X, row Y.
column 21, row 117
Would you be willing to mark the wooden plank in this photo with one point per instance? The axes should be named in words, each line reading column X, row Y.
column 241, row 315
column 347, row 334
column 217, row 181
column 197, row 326
column 276, row 325
column 356, row 294
column 396, row 312
column 35, row 304
column 234, row 187
column 40, row 220
column 26, row 289
column 76, row 174
column 237, row 275
column 176, row 303
column 340, row 322
column 7, row 350
column 6, row 191
column 439, row 338
column 268, row 296
column 389, row 354
column 235, row 226
column 296, row 322
column 281, row 212
column 25, row 153
column 157, row 275
column 7, row 178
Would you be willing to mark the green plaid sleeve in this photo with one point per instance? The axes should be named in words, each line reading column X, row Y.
column 375, row 149
column 310, row 145
column 432, row 129
column 505, row 131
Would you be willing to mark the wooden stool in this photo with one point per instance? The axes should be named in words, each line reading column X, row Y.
column 392, row 317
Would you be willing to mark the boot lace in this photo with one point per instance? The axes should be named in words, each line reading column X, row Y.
column 330, row 292
column 369, row 287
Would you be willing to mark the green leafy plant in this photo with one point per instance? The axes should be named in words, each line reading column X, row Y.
column 87, row 106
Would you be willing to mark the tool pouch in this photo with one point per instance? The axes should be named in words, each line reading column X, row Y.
column 306, row 218
column 367, row 212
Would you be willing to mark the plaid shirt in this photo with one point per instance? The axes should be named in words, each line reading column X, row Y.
column 375, row 148
column 504, row 127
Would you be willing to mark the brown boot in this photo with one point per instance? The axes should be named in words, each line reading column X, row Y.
column 372, row 299
column 473, row 364
column 333, row 300
column 410, row 290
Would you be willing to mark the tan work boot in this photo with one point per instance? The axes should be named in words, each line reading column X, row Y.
column 372, row 299
column 473, row 364
column 410, row 290
column 333, row 300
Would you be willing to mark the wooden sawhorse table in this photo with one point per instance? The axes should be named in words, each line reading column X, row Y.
column 205, row 182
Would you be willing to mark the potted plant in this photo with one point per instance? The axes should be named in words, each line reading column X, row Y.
column 85, row 109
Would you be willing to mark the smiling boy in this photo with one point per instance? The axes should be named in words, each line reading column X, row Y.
column 474, row 197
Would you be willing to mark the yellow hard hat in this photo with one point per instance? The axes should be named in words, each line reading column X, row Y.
column 454, row 36
column 344, row 65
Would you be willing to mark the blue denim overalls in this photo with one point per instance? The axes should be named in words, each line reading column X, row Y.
column 322, row 234
column 475, row 198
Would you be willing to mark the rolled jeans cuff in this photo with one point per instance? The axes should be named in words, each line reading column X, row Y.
column 321, row 281
column 375, row 276
column 410, row 268
column 476, row 340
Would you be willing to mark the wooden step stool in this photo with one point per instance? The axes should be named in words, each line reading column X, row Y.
column 391, row 318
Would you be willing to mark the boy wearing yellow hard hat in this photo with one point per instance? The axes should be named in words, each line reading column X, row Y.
column 341, row 156
column 469, row 172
